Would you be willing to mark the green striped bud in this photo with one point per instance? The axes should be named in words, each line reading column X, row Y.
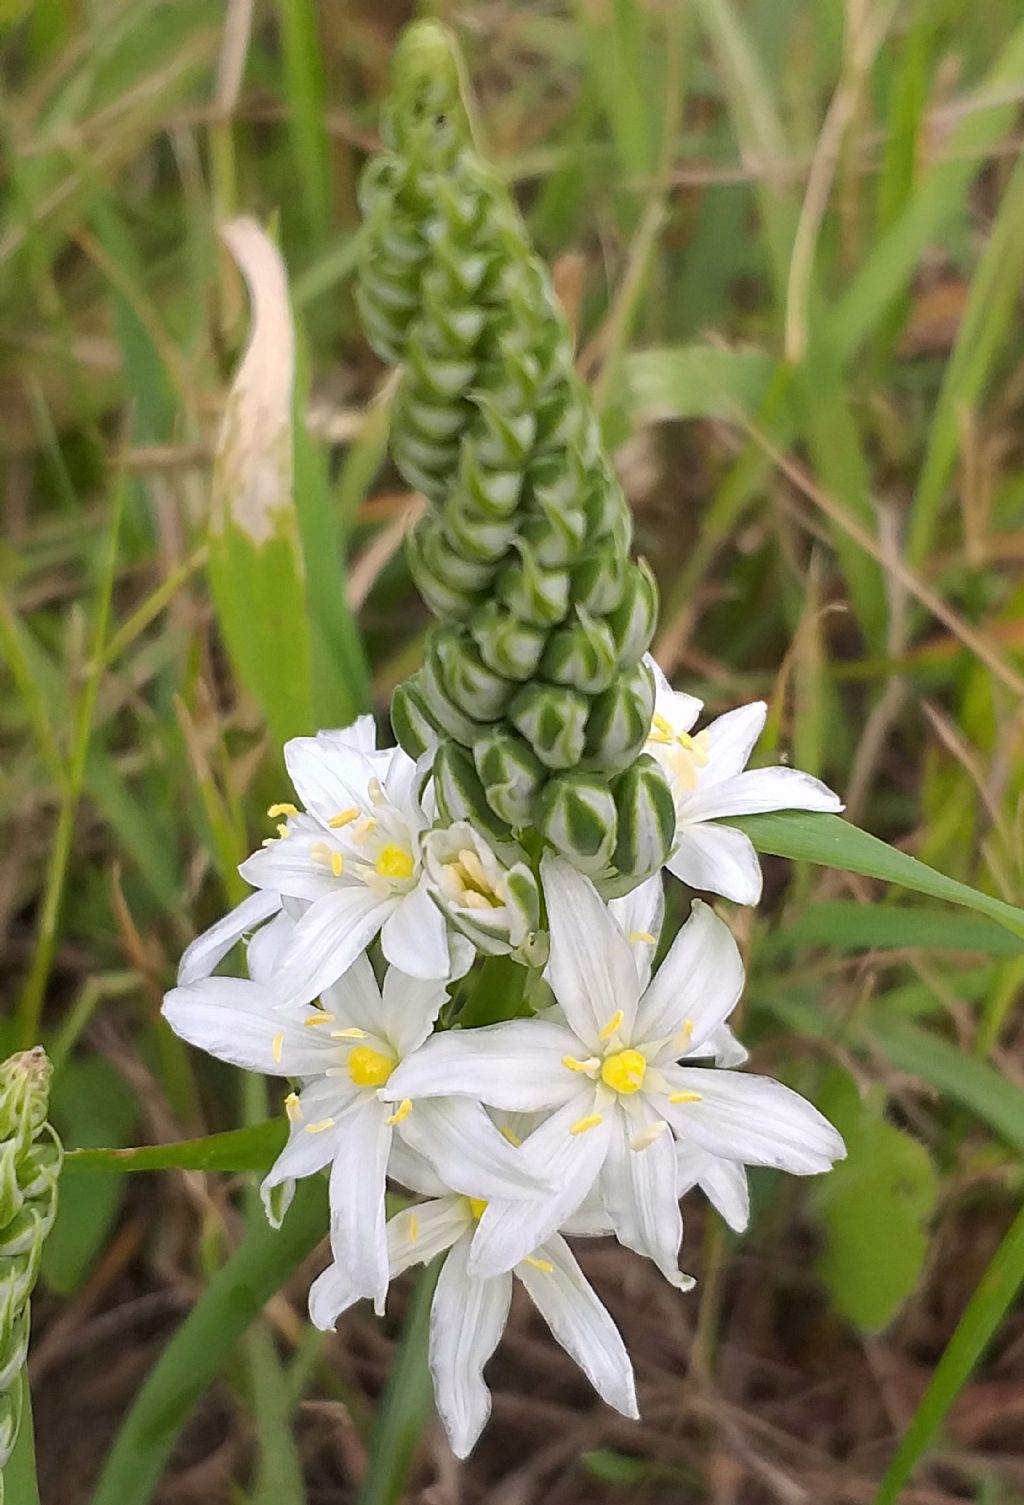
column 495, row 904
column 553, row 719
column 460, row 797
column 577, row 816
column 646, row 824
column 538, row 595
column 511, row 775
column 506, row 643
column 581, row 653
column 467, row 679
column 620, row 720
column 632, row 622
column 30, row 1162
column 415, row 730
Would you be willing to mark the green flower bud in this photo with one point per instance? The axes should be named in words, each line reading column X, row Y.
column 646, row 823
column 633, row 620
column 599, row 580
column 440, row 706
column 507, row 644
column 580, row 654
column 511, row 775
column 577, row 816
column 497, row 905
column 415, row 730
column 553, row 719
column 445, row 599
column 471, row 685
column 539, row 596
column 555, row 537
column 620, row 720
column 460, row 796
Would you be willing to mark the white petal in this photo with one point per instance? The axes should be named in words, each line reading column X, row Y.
column 590, row 1220
column 415, row 937
column 467, row 1319
column 409, row 1007
column 306, row 1153
column 719, row 860
column 235, row 1021
column 266, row 946
column 329, row 776
column 516, row 1066
column 639, row 1191
column 412, row 1170
column 286, row 867
column 358, row 1236
column 213, row 945
column 591, row 970
column 509, row 1231
column 696, row 987
column 679, row 709
column 758, row 791
column 641, row 914
column 732, row 738
column 723, row 1045
column 355, row 998
column 752, row 1119
column 723, row 1182
column 580, row 1323
column 468, row 1152
column 331, row 1293
column 362, row 735
column 417, row 1234
column 327, row 940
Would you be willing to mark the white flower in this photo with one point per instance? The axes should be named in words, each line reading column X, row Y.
column 342, row 1053
column 494, row 904
column 352, row 860
column 610, row 1072
column 469, row 1312
column 710, row 782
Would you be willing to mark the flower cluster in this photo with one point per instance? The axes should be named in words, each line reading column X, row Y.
column 546, row 773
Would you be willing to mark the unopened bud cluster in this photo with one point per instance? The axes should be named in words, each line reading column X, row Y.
column 533, row 688
column 30, row 1162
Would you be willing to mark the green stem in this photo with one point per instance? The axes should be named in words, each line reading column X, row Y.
column 19, row 1477
column 406, row 1404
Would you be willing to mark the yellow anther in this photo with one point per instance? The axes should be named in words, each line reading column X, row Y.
column 685, row 1035
column 649, row 1135
column 284, row 808
column 614, row 1023
column 370, row 1068
column 319, row 1128
column 543, row 1265
column 477, row 1206
column 319, row 1016
column 277, row 1047
column 364, row 830
column 402, row 1111
column 269, row 841
column 589, row 1067
column 348, row 1034
column 470, row 899
column 636, row 936
column 512, row 1138
column 292, row 1107
column 474, row 870
column 583, row 1124
column 624, row 1071
column 282, row 829
column 344, row 818
column 337, row 864
column 412, row 1228
column 394, row 861
column 685, row 1097
column 375, row 789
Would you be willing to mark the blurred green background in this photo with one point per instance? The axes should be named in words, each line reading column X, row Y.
column 791, row 239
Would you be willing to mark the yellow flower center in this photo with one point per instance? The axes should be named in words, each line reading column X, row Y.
column 685, row 753
column 471, row 887
column 394, row 861
column 370, row 1068
column 477, row 1206
column 624, row 1071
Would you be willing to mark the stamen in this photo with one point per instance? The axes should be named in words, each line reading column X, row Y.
column 364, row 830
column 685, row 1097
column 292, row 1107
column 412, row 1228
column 284, row 808
column 470, row 899
column 513, row 1139
column 643, row 935
column 337, row 822
column 477, row 1206
column 269, row 841
column 337, row 864
column 474, row 869
column 318, row 1128
column 589, row 1067
column 583, row 1124
column 319, row 1016
column 402, row 1111
column 277, row 1047
column 348, row 1034
column 614, row 1023
column 375, row 789
column 543, row 1265
column 649, row 1135
column 282, row 830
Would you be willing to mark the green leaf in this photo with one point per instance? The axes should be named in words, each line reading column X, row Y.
column 203, row 1343
column 249, row 1149
column 844, row 925
column 874, row 1208
column 696, row 381
column 406, row 1404
column 994, row 1294
column 834, row 842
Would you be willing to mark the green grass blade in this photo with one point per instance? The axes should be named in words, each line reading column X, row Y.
column 844, row 925
column 249, row 1149
column 19, row 1485
column 834, row 842
column 992, row 1298
column 201, row 1346
column 306, row 98
column 406, row 1404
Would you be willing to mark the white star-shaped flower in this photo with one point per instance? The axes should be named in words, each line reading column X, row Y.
column 469, row 1311
column 710, row 781
column 616, row 1074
